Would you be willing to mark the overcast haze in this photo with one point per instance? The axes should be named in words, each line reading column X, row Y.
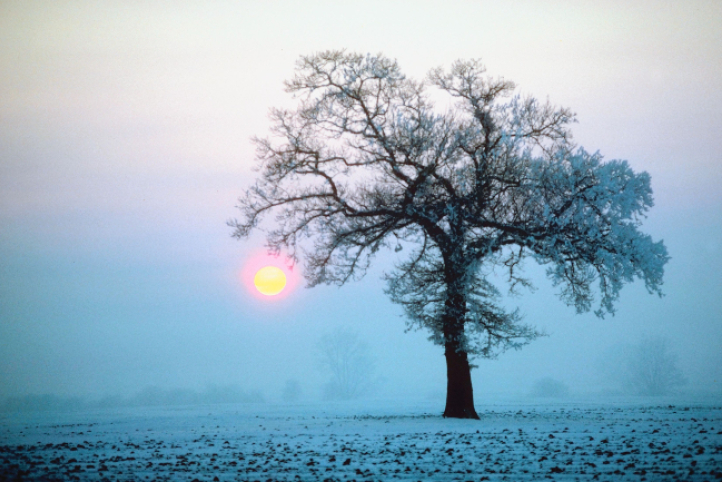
column 125, row 141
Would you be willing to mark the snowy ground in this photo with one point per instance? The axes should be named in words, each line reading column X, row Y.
column 379, row 441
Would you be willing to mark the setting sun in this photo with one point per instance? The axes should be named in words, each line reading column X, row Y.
column 268, row 277
column 270, row 280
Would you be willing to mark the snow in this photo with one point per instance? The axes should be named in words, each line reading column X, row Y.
column 383, row 440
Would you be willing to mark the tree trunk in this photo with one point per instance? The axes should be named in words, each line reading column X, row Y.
column 459, row 393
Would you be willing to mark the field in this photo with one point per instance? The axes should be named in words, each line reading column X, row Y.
column 376, row 441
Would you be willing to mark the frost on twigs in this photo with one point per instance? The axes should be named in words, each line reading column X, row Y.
column 366, row 162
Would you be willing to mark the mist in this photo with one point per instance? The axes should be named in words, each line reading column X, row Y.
column 125, row 142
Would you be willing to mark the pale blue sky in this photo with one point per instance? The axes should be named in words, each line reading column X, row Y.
column 124, row 143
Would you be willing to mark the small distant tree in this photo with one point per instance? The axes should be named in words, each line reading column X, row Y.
column 651, row 368
column 367, row 162
column 348, row 363
column 549, row 388
column 291, row 391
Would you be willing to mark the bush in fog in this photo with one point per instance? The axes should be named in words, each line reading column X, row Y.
column 549, row 388
column 291, row 391
column 651, row 368
column 347, row 362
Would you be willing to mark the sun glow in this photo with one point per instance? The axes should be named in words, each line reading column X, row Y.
column 270, row 280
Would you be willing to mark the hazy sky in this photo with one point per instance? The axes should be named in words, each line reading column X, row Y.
column 124, row 144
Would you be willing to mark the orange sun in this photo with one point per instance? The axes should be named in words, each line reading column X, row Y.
column 270, row 280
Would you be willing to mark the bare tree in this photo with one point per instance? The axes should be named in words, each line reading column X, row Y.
column 366, row 162
column 651, row 368
column 349, row 365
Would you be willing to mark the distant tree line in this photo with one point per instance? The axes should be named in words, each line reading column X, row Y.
column 150, row 396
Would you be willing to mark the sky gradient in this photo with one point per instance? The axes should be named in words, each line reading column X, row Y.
column 125, row 141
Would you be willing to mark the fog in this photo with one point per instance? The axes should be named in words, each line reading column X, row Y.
column 125, row 141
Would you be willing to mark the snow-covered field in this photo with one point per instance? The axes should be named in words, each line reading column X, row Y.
column 378, row 441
